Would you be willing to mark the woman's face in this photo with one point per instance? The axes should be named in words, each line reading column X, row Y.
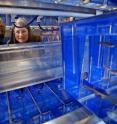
column 21, row 34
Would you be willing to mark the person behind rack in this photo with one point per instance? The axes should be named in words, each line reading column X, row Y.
column 2, row 32
column 21, row 32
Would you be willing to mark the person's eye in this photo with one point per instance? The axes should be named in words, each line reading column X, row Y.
column 23, row 32
column 17, row 32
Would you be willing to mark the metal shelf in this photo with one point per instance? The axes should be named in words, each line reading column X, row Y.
column 29, row 64
column 30, row 7
column 41, row 103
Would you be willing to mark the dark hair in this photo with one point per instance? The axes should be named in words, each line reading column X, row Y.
column 2, row 32
column 2, row 28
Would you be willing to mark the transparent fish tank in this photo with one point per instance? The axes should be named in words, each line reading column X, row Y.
column 91, row 75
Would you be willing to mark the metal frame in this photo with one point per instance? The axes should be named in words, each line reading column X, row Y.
column 30, row 7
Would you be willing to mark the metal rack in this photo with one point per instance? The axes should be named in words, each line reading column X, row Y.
column 29, row 64
column 26, row 7
column 26, row 106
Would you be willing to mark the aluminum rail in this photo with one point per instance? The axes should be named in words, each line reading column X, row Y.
column 30, row 7
column 29, row 64
column 79, row 116
column 9, row 109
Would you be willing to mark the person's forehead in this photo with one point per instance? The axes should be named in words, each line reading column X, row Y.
column 20, row 29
